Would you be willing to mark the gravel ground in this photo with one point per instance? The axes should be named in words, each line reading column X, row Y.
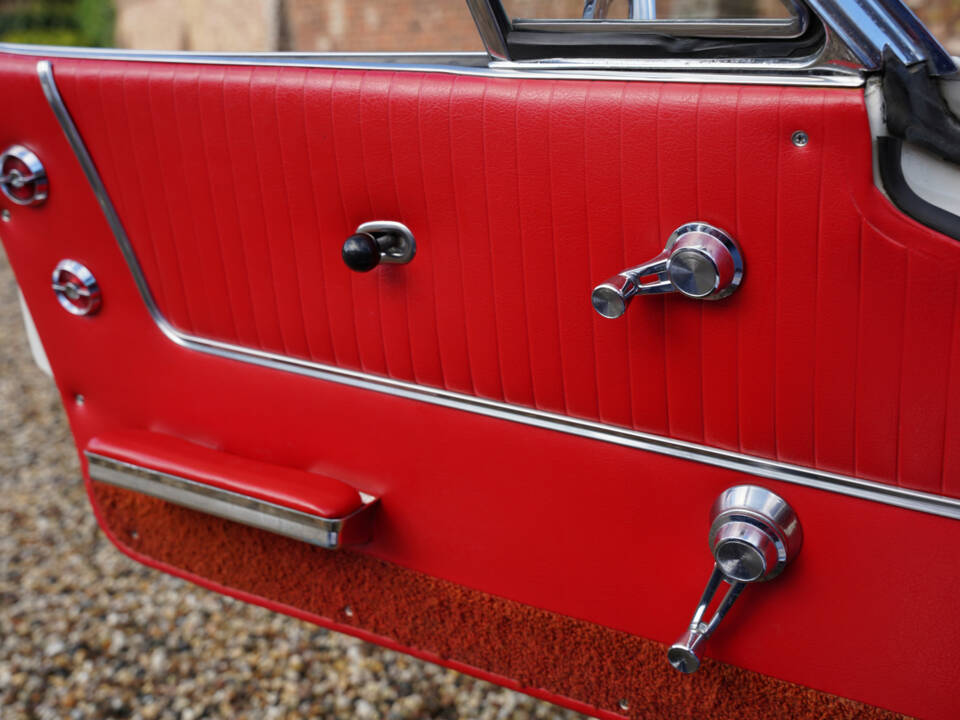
column 87, row 633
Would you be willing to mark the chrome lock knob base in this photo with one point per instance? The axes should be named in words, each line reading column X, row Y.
column 699, row 261
column 754, row 533
column 381, row 241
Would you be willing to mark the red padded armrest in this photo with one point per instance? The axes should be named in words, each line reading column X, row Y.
column 294, row 489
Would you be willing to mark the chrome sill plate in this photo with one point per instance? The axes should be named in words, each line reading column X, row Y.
column 324, row 532
column 759, row 467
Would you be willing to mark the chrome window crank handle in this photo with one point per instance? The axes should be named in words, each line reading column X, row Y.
column 754, row 533
column 699, row 261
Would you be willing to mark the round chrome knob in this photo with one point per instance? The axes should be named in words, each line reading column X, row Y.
column 754, row 533
column 704, row 262
column 743, row 551
column 76, row 288
column 610, row 299
column 23, row 179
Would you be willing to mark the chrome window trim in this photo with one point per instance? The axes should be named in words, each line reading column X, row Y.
column 805, row 72
column 865, row 27
column 759, row 467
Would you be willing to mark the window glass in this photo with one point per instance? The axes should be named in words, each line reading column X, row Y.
column 665, row 9
column 244, row 25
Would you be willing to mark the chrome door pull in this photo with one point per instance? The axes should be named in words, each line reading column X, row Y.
column 754, row 533
column 699, row 261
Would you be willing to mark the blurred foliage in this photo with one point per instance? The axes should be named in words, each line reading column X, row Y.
column 57, row 22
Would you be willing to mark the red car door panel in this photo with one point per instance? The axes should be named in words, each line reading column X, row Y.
column 555, row 561
column 237, row 187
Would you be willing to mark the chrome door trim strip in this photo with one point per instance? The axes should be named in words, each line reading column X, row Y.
column 802, row 72
column 325, row 532
column 759, row 467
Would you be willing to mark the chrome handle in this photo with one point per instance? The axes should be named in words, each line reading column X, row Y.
column 699, row 261
column 754, row 533
column 380, row 241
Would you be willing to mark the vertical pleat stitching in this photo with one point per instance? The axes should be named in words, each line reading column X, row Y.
column 138, row 174
column 216, row 220
column 553, row 235
column 343, row 203
column 900, row 377
column 699, row 186
column 586, row 250
column 236, row 204
column 396, row 194
column 736, row 215
column 456, row 214
column 292, row 239
column 316, row 210
column 856, row 353
column 623, row 249
column 486, row 209
column 523, row 274
column 269, row 254
column 166, row 205
column 663, row 305
column 951, row 378
column 426, row 206
column 366, row 186
column 816, row 289
column 776, row 269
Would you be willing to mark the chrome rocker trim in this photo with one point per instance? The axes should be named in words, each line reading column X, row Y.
column 759, row 467
column 327, row 533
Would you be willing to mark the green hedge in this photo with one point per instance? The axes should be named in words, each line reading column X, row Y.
column 57, row 22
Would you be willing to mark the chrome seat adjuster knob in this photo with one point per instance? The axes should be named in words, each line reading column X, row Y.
column 754, row 533
column 699, row 261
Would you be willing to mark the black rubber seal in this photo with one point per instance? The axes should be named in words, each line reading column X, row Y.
column 915, row 110
column 889, row 151
column 542, row 44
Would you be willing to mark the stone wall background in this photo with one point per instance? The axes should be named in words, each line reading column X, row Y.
column 388, row 25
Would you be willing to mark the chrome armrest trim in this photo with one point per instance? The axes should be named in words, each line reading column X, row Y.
column 760, row 467
column 329, row 533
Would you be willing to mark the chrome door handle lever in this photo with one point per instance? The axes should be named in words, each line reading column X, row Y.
column 754, row 533
column 699, row 261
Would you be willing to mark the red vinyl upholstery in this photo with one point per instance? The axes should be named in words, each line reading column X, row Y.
column 238, row 186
